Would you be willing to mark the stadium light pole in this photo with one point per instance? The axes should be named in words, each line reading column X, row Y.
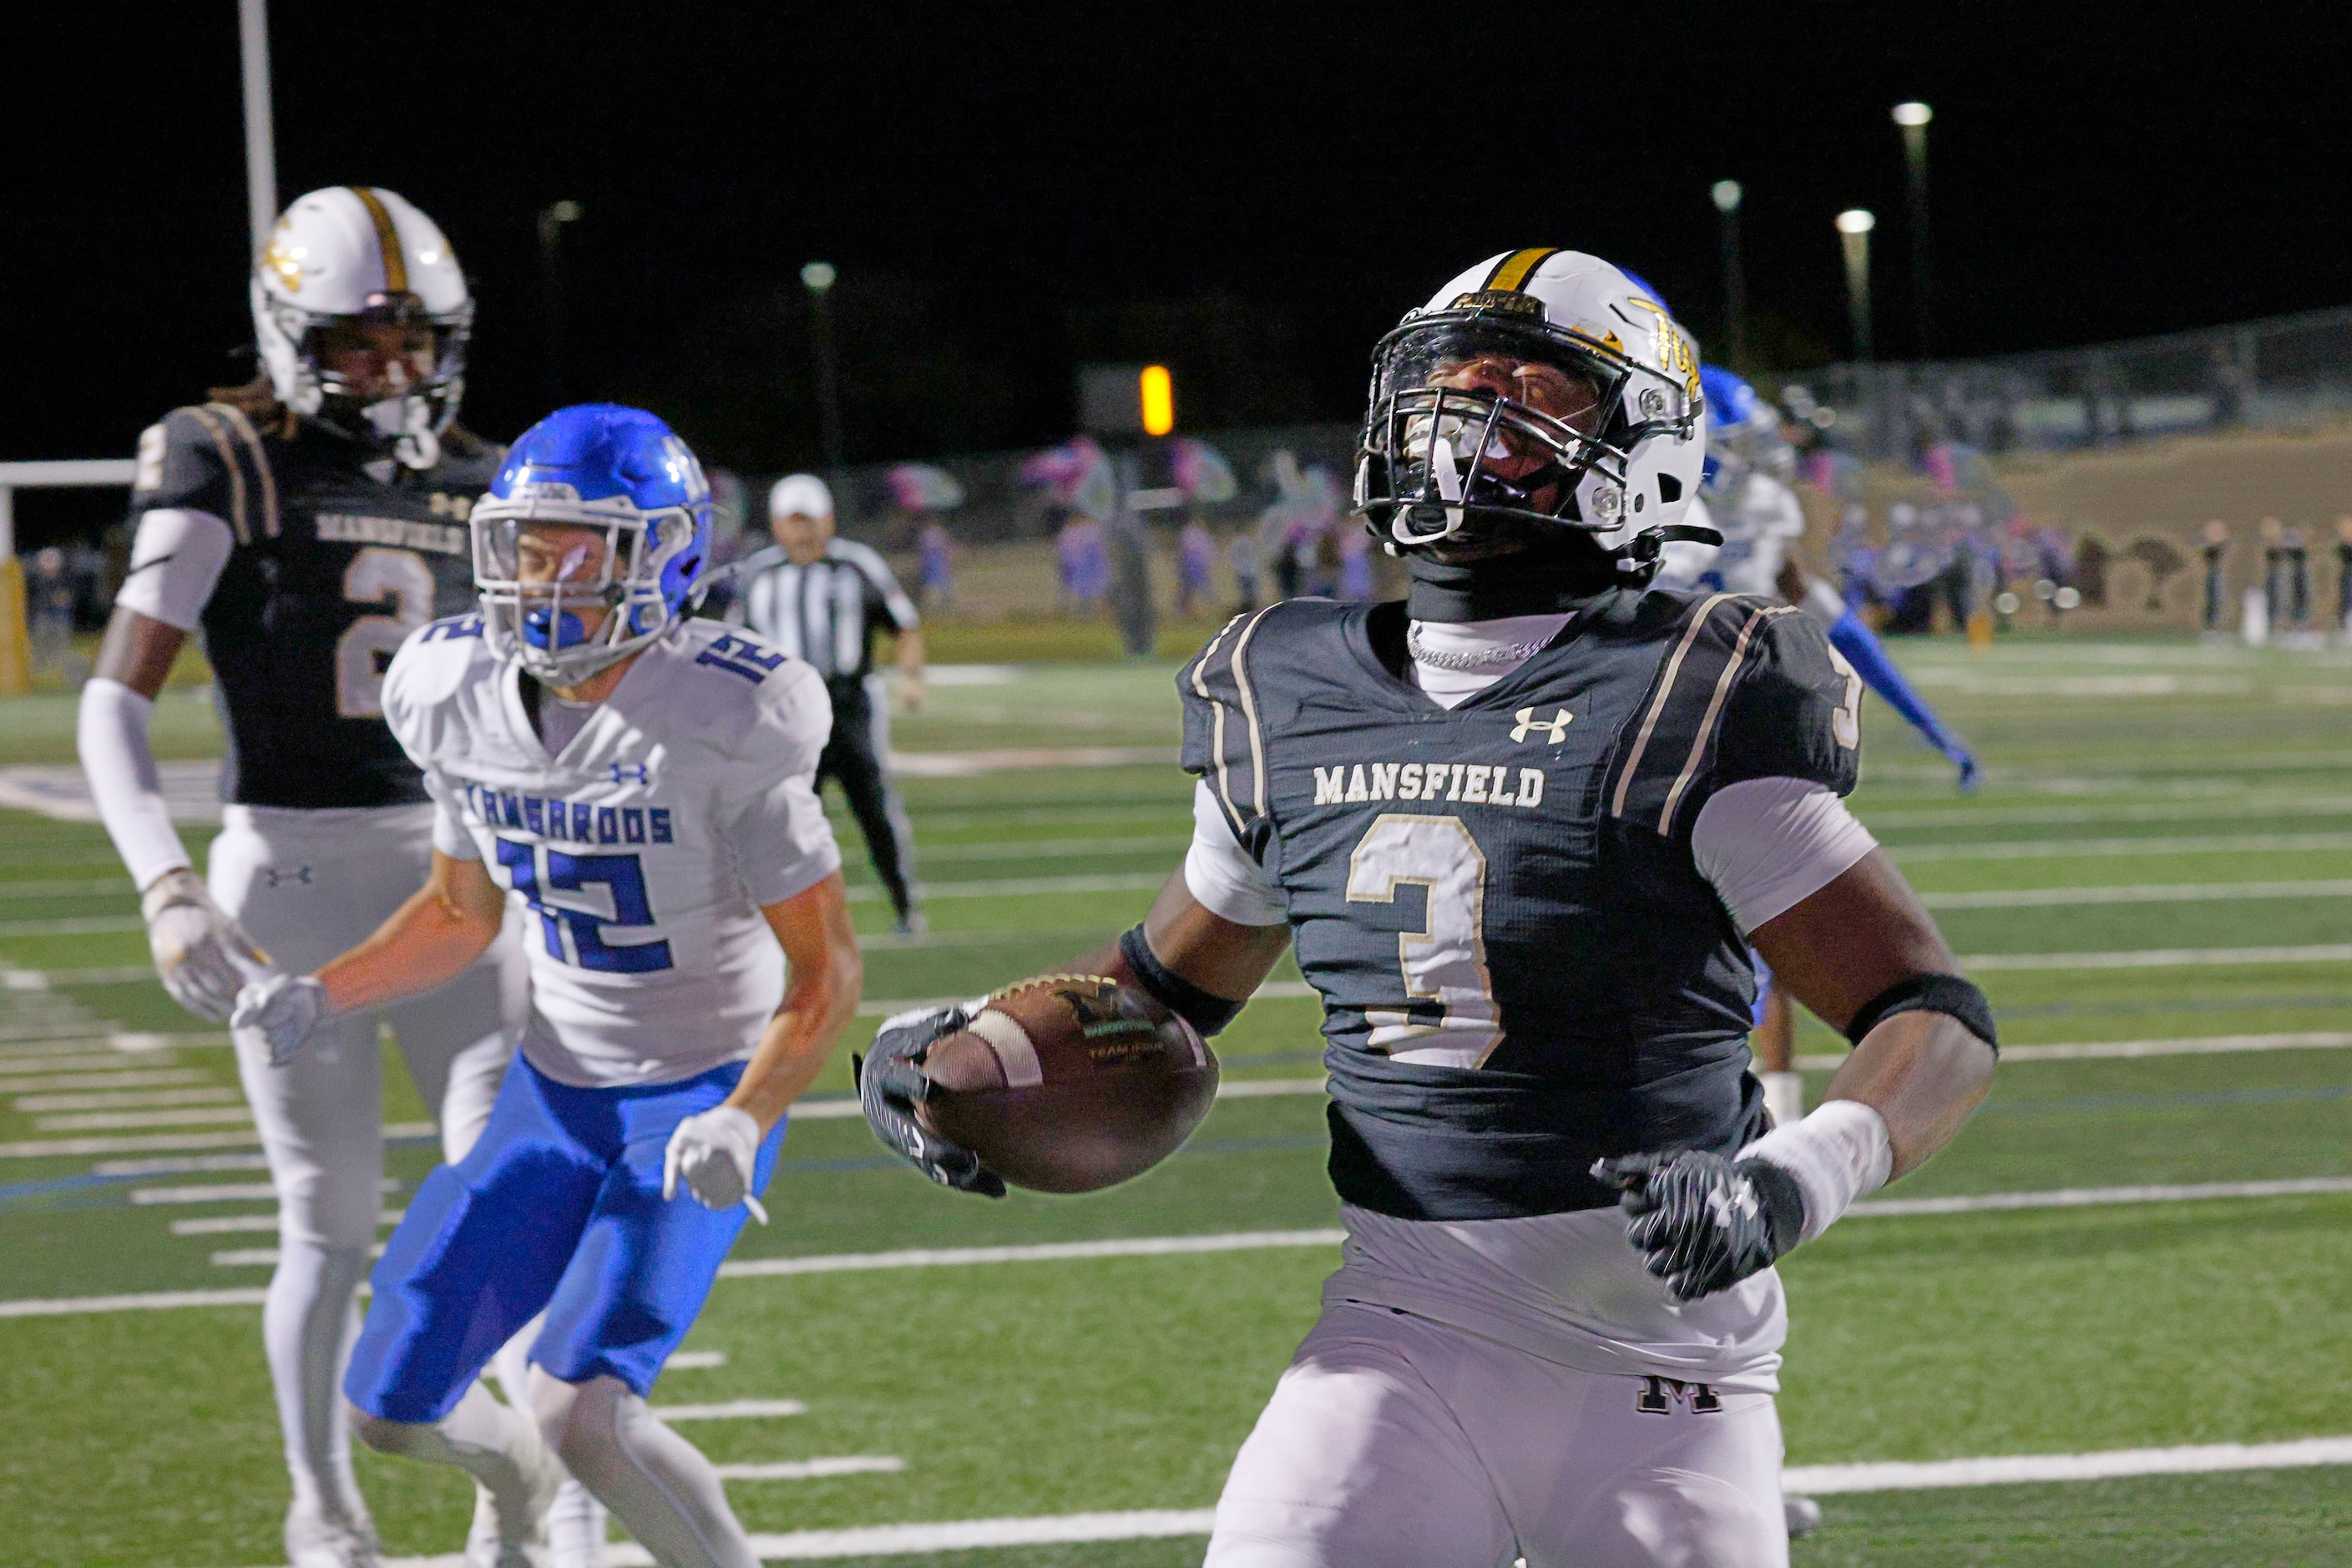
column 1914, row 117
column 552, row 220
column 1727, row 197
column 1853, row 227
column 260, row 137
column 818, row 278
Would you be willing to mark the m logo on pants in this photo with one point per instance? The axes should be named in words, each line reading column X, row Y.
column 1659, row 1396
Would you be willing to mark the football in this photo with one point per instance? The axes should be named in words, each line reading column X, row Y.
column 1070, row 1083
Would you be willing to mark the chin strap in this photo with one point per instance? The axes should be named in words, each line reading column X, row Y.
column 1645, row 552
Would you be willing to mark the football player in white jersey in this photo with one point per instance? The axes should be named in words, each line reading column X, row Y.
column 640, row 783
column 306, row 523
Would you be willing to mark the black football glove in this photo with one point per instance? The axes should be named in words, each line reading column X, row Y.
column 891, row 1083
column 1703, row 1223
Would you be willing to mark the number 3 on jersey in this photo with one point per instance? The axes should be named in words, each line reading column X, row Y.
column 622, row 876
column 365, row 649
column 1449, row 1018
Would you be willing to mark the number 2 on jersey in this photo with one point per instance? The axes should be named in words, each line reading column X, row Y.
column 367, row 644
column 1456, row 1023
column 622, row 875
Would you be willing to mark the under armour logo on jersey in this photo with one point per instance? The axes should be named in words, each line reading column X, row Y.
column 1528, row 724
column 1659, row 1396
column 273, row 875
column 624, row 772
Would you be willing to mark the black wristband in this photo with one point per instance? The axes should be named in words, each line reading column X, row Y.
column 1946, row 993
column 1205, row 1013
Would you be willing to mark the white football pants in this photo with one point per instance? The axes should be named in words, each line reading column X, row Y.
column 308, row 884
column 1396, row 1442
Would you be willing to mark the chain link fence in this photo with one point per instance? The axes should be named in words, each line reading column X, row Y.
column 2277, row 372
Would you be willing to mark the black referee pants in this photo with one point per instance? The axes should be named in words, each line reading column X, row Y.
column 853, row 759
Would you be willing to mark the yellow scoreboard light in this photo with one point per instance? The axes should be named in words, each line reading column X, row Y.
column 1156, row 391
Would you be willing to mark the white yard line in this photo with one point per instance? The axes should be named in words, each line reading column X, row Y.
column 2143, row 893
column 2159, row 957
column 1229, row 1241
column 154, row 1301
column 155, row 1099
column 2010, row 1470
column 2106, row 849
column 841, row 1106
column 169, row 1143
column 812, row 1470
column 1023, row 887
column 2091, row 1197
column 129, row 1075
column 1047, row 1252
column 2100, row 1051
column 732, row 1410
column 234, row 1224
column 77, row 1057
column 125, row 1121
column 73, row 925
column 221, row 1193
column 695, row 1361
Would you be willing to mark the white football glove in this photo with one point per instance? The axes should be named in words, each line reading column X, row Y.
column 286, row 1010
column 202, row 954
column 715, row 1153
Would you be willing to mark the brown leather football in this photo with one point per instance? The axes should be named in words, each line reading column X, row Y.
column 1070, row 1083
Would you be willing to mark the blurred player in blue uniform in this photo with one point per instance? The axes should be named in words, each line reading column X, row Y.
column 1520, row 830
column 640, row 783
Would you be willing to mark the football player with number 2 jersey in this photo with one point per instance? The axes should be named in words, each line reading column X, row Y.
column 306, row 524
column 1520, row 829
column 640, row 783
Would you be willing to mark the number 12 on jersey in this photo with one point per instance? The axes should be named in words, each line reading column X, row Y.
column 1449, row 1017
column 623, row 877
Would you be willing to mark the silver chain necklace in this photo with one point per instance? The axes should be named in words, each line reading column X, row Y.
column 1510, row 653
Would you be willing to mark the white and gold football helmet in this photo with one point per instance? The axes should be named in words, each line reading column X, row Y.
column 1541, row 387
column 344, row 262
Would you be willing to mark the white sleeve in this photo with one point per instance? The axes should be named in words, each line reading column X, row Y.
column 1220, row 874
column 776, row 825
column 112, row 736
column 1767, row 845
column 449, row 834
column 175, row 559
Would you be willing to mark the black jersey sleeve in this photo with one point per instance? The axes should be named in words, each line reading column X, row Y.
column 1795, row 712
column 206, row 459
column 1745, row 689
column 1224, row 744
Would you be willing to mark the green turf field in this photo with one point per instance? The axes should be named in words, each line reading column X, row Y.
column 2162, row 853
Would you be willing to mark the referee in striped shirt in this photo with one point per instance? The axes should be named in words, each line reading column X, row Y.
column 823, row 600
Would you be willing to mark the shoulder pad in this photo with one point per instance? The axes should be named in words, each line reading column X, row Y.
column 1222, row 692
column 1667, row 755
column 430, row 667
column 208, row 458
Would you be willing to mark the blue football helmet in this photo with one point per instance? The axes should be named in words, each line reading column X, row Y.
column 1743, row 433
column 589, row 542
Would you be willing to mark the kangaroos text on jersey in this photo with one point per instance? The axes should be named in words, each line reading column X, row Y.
column 337, row 560
column 1521, row 967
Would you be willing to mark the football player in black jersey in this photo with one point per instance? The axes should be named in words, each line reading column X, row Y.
column 1520, row 829
column 307, row 523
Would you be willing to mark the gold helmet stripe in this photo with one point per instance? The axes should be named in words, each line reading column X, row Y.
column 387, row 239
column 1518, row 267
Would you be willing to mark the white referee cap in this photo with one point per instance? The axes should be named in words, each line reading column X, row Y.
column 802, row 493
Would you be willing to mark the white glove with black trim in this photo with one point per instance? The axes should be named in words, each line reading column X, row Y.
column 285, row 1010
column 716, row 1152
column 202, row 954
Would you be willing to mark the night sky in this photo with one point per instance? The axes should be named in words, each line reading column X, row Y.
column 1251, row 195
